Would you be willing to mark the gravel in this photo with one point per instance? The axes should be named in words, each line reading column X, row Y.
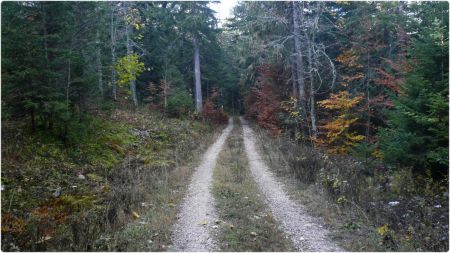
column 305, row 231
column 194, row 229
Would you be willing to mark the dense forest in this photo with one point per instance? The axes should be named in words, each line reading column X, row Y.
column 355, row 94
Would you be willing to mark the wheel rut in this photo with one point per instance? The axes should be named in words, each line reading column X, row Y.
column 193, row 231
column 304, row 230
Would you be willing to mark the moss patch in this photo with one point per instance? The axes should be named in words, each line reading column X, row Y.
column 97, row 177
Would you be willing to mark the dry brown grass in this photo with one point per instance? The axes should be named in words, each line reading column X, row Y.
column 161, row 191
column 96, row 213
column 352, row 198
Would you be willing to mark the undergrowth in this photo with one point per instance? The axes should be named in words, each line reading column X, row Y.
column 246, row 224
column 370, row 206
column 69, row 195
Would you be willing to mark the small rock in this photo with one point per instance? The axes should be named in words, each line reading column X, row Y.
column 45, row 238
column 57, row 192
column 393, row 203
column 150, row 241
column 253, row 233
column 81, row 176
column 256, row 217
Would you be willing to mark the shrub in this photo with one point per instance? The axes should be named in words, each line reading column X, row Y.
column 179, row 103
column 263, row 102
column 215, row 115
column 411, row 209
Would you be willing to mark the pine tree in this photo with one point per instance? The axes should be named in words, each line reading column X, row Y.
column 418, row 125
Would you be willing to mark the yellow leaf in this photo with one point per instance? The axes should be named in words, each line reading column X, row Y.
column 135, row 215
column 383, row 230
column 204, row 223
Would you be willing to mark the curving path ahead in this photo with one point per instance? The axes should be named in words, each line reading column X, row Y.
column 303, row 230
column 193, row 231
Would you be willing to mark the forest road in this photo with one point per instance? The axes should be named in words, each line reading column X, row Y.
column 193, row 231
column 304, row 230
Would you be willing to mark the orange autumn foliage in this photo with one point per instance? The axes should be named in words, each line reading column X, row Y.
column 51, row 215
column 337, row 137
column 263, row 102
column 12, row 224
column 350, row 62
column 211, row 113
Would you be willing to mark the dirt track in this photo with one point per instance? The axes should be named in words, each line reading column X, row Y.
column 193, row 231
column 306, row 232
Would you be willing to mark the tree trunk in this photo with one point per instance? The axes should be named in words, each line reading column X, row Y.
column 113, row 54
column 33, row 121
column 99, row 65
column 198, row 85
column 129, row 52
column 294, row 79
column 69, row 63
column 300, row 77
column 44, row 21
column 368, row 97
column 312, row 92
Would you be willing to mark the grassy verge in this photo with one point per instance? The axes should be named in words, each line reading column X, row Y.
column 246, row 224
column 367, row 206
column 161, row 191
column 76, row 195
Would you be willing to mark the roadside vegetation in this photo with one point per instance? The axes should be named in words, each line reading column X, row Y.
column 369, row 206
column 355, row 97
column 99, row 124
column 245, row 222
column 72, row 196
column 105, row 107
